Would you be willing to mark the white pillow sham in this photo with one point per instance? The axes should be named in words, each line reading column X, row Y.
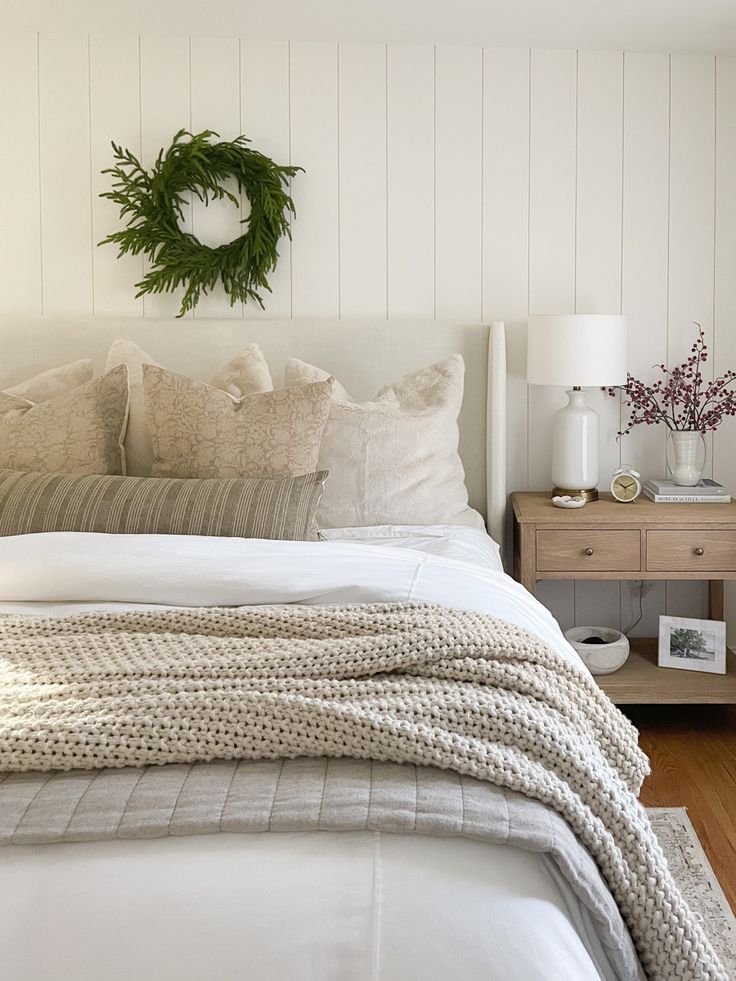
column 394, row 459
column 245, row 374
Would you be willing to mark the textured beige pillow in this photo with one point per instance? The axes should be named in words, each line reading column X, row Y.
column 200, row 431
column 55, row 381
column 248, row 508
column 245, row 374
column 79, row 432
column 394, row 459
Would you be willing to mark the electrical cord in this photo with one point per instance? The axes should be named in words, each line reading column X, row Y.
column 641, row 609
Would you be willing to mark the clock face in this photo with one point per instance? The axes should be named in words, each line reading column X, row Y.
column 625, row 488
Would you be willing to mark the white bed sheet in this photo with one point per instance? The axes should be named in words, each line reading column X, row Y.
column 280, row 907
column 449, row 541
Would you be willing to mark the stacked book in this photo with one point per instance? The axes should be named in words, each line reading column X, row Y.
column 668, row 492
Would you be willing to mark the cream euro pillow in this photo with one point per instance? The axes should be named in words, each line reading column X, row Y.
column 80, row 431
column 245, row 374
column 55, row 381
column 394, row 459
column 200, row 431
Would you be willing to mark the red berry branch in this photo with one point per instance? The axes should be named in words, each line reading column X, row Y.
column 683, row 399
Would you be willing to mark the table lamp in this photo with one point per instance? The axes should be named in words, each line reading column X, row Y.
column 576, row 350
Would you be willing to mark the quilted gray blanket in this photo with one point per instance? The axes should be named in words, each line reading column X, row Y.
column 410, row 684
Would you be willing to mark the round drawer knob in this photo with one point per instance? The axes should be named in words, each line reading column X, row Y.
column 588, row 551
column 700, row 550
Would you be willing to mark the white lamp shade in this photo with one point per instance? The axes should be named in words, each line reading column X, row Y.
column 586, row 349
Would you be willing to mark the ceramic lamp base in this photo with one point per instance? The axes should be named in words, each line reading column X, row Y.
column 575, row 447
column 587, row 495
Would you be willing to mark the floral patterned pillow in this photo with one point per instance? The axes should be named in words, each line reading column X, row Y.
column 244, row 374
column 200, row 431
column 81, row 431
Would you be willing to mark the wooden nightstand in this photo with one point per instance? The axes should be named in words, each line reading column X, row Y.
column 644, row 540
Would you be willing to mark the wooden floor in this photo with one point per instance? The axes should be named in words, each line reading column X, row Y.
column 693, row 754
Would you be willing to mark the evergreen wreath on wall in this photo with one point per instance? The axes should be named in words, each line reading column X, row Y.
column 153, row 201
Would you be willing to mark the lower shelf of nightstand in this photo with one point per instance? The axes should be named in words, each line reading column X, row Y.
column 641, row 682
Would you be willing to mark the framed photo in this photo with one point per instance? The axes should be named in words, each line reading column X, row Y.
column 692, row 645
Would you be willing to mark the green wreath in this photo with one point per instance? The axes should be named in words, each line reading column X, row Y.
column 153, row 203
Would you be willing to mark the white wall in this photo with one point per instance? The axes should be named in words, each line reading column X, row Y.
column 457, row 183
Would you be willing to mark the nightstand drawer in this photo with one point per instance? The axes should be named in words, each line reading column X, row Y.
column 588, row 551
column 691, row 551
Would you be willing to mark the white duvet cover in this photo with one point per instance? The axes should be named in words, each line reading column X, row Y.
column 245, row 907
column 64, row 572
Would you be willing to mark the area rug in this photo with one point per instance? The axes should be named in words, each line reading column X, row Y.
column 696, row 879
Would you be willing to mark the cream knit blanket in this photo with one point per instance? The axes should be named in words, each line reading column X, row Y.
column 405, row 683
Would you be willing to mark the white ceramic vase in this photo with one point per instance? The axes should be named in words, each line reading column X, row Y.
column 687, row 469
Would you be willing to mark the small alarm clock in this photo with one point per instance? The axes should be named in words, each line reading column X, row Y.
column 626, row 485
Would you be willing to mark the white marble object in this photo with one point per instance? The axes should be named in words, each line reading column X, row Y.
column 603, row 658
column 565, row 501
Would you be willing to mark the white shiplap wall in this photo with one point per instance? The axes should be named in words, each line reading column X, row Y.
column 460, row 183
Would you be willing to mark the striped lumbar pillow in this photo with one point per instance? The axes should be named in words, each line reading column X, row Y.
column 248, row 507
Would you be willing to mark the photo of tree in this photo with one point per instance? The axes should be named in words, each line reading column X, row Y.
column 699, row 644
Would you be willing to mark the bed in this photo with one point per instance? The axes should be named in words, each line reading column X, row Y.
column 361, row 861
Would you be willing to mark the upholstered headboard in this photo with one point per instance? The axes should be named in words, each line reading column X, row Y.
column 363, row 354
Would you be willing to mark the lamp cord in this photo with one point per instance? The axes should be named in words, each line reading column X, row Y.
column 641, row 609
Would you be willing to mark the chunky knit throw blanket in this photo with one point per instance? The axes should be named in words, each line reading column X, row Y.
column 403, row 683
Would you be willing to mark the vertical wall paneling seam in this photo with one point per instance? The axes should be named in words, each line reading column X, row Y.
column 291, row 217
column 576, row 177
column 434, row 174
column 669, row 223
column 712, row 448
column 575, row 251
column 240, row 93
column 385, row 82
column 621, row 271
column 669, row 201
column 140, row 144
column 669, row 217
column 528, row 247
column 240, row 127
column 482, row 172
column 91, row 182
column 40, row 195
column 621, row 293
column 192, row 313
column 339, row 202
column 190, row 82
column 240, row 131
